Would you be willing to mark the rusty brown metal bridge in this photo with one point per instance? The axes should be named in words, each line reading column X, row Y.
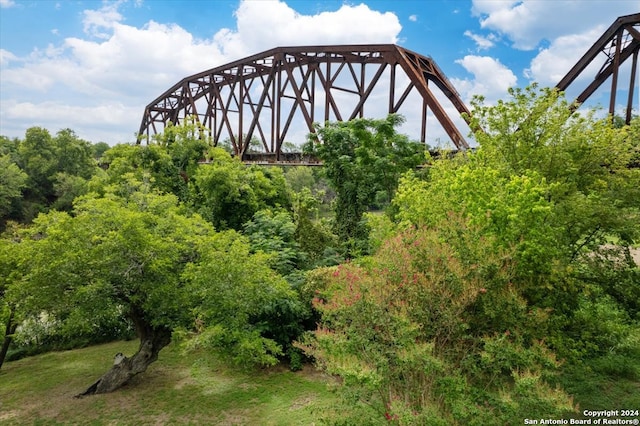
column 264, row 97
column 618, row 43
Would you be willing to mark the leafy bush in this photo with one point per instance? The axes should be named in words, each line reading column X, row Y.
column 238, row 299
column 227, row 193
column 415, row 332
column 45, row 333
column 598, row 327
column 273, row 233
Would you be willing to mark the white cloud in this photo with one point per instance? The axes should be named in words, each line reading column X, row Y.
column 6, row 57
column 487, row 7
column 7, row 4
column 553, row 63
column 132, row 59
column 94, row 123
column 561, row 31
column 527, row 22
column 482, row 43
column 413, row 18
column 262, row 25
column 95, row 22
column 98, row 85
column 491, row 78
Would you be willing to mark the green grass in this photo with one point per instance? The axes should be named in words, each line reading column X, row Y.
column 611, row 380
column 198, row 388
column 179, row 388
column 594, row 390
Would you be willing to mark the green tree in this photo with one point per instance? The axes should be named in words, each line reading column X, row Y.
column 150, row 163
column 234, row 292
column 37, row 158
column 167, row 163
column 138, row 252
column 9, row 147
column 558, row 188
column 300, row 177
column 98, row 149
column 313, row 234
column 228, row 193
column 66, row 188
column 432, row 330
column 360, row 158
column 51, row 163
column 187, row 145
column 11, row 257
column 273, row 232
column 116, row 253
column 74, row 156
column 583, row 159
column 12, row 181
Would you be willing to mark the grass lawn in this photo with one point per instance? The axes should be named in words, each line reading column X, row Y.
column 194, row 388
column 199, row 389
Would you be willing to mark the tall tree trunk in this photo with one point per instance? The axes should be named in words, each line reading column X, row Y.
column 152, row 340
column 8, row 336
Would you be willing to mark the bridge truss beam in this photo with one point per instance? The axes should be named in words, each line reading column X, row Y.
column 263, row 96
column 618, row 43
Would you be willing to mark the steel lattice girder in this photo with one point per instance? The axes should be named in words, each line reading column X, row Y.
column 618, row 43
column 259, row 96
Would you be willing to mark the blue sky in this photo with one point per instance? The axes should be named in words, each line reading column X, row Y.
column 92, row 66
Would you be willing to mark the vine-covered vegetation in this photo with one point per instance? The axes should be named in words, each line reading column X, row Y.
column 472, row 290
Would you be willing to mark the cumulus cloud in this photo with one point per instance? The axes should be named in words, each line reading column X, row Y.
column 103, row 80
column 527, row 22
column 131, row 59
column 7, row 4
column 557, row 33
column 6, row 57
column 482, row 43
column 413, row 18
column 553, row 62
column 97, row 23
column 491, row 78
column 262, row 25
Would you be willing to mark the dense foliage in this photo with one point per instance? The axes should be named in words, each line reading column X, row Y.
column 491, row 282
column 432, row 330
column 557, row 189
column 228, row 193
column 504, row 260
column 362, row 158
column 139, row 254
column 41, row 172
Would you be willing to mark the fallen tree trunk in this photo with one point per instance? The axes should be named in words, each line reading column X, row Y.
column 152, row 340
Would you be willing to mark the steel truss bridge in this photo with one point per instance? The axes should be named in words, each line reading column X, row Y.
column 277, row 95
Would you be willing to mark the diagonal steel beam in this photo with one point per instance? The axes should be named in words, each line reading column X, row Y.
column 299, row 73
column 623, row 39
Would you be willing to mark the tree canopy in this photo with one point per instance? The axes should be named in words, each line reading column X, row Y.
column 134, row 249
column 361, row 158
column 495, row 268
column 45, row 172
column 491, row 275
column 228, row 193
column 115, row 253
